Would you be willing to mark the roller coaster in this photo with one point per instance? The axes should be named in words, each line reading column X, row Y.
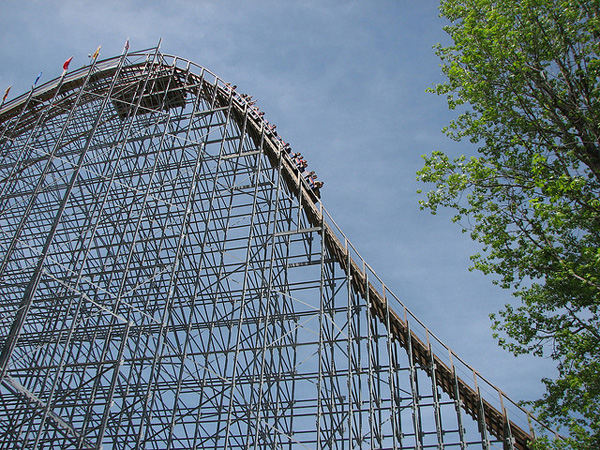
column 170, row 279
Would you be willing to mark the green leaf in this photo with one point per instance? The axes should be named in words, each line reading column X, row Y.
column 526, row 76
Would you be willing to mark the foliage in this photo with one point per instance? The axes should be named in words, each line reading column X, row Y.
column 526, row 77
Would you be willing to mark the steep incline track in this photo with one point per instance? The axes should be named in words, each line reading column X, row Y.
column 420, row 352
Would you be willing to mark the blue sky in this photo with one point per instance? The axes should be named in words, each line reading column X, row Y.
column 344, row 81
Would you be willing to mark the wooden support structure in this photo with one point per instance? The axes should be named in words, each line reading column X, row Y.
column 167, row 87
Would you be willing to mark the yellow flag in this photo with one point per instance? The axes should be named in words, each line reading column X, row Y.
column 96, row 53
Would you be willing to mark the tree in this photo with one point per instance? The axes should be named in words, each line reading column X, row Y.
column 524, row 77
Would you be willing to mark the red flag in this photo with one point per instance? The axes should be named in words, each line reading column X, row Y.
column 96, row 53
column 6, row 93
column 66, row 64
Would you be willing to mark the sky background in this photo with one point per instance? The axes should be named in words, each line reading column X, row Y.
column 344, row 81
